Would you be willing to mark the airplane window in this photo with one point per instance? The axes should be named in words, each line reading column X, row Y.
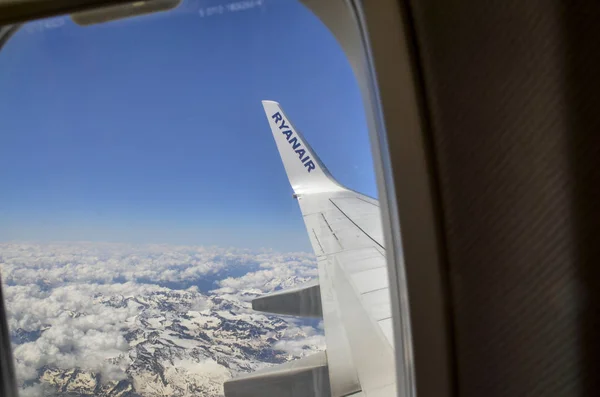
column 166, row 228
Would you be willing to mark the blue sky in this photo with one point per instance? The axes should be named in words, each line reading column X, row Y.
column 151, row 130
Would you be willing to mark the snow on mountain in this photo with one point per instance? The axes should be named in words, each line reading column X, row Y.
column 146, row 330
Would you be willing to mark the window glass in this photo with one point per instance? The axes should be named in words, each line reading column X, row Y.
column 144, row 203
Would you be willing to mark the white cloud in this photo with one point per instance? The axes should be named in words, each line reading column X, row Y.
column 279, row 272
column 298, row 347
column 76, row 299
column 298, row 338
column 59, row 264
column 79, row 330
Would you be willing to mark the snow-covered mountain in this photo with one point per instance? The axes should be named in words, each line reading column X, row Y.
column 126, row 339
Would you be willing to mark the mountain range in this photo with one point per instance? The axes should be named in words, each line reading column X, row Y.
column 163, row 341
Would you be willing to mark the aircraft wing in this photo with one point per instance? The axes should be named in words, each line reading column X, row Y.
column 351, row 296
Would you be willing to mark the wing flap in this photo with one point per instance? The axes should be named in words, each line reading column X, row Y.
column 306, row 377
column 304, row 301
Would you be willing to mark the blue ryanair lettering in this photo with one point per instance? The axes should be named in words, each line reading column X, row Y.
column 294, row 141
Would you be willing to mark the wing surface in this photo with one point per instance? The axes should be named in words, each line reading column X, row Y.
column 352, row 294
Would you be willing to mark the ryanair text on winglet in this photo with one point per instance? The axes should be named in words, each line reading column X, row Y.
column 294, row 141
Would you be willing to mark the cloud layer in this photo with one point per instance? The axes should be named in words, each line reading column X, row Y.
column 60, row 264
column 69, row 304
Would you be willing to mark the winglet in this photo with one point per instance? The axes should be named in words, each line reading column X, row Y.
column 304, row 169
